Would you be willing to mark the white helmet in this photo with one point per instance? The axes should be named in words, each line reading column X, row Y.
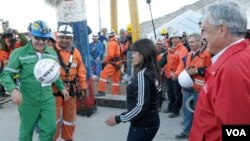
column 176, row 33
column 185, row 80
column 95, row 35
column 47, row 71
column 65, row 30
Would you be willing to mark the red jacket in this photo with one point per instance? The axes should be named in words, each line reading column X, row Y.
column 225, row 98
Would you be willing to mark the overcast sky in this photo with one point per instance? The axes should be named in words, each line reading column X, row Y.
column 21, row 12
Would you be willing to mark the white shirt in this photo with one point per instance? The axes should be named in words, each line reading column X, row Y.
column 215, row 57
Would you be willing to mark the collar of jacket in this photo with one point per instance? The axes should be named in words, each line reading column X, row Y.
column 31, row 50
column 229, row 52
column 113, row 39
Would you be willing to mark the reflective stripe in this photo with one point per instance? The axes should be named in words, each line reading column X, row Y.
column 199, row 82
column 103, row 80
column 27, row 57
column 44, row 85
column 136, row 110
column 50, row 56
column 11, row 70
column 115, row 84
column 73, row 65
column 68, row 123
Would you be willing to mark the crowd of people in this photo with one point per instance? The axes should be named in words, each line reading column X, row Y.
column 204, row 76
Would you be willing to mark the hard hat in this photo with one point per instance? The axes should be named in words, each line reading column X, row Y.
column 95, row 35
column 47, row 71
column 53, row 36
column 185, row 80
column 163, row 31
column 40, row 29
column 111, row 33
column 160, row 40
column 65, row 30
column 176, row 33
column 129, row 28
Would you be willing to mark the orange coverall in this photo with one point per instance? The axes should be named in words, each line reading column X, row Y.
column 113, row 61
column 175, row 63
column 68, row 108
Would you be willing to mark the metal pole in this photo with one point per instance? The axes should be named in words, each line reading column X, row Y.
column 152, row 19
column 99, row 12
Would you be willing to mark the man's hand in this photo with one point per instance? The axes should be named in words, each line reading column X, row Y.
column 111, row 121
column 191, row 71
column 16, row 97
column 174, row 76
column 65, row 94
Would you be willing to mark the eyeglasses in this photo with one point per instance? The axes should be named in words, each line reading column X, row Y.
column 41, row 38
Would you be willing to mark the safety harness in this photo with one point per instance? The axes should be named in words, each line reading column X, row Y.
column 72, row 84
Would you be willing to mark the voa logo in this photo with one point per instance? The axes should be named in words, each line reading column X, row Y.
column 236, row 132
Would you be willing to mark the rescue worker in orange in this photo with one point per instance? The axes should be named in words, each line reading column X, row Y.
column 112, row 63
column 73, row 73
column 176, row 54
column 197, row 61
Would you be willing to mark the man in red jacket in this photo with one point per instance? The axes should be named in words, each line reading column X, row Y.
column 225, row 97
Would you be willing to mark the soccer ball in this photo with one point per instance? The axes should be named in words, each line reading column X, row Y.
column 47, row 71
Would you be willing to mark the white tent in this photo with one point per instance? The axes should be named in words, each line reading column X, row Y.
column 187, row 21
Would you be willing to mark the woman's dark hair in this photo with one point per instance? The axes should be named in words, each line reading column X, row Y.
column 148, row 50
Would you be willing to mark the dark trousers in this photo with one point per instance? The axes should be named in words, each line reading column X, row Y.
column 174, row 96
column 142, row 134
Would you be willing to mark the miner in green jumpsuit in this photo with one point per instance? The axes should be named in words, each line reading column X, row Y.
column 36, row 103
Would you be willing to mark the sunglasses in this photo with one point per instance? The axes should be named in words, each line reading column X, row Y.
column 41, row 38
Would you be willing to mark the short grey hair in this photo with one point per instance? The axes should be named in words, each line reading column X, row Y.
column 229, row 13
column 196, row 36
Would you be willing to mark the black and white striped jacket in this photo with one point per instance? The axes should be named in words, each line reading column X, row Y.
column 142, row 101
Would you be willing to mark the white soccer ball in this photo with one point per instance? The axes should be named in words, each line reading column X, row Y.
column 47, row 71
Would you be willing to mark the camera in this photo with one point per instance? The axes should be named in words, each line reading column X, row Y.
column 3, row 26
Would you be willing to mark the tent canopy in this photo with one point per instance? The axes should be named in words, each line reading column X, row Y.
column 187, row 22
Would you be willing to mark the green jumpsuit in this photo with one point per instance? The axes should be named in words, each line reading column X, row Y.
column 38, row 102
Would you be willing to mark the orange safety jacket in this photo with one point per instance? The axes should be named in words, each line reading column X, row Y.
column 175, row 59
column 202, row 60
column 77, row 69
column 113, row 52
column 3, row 56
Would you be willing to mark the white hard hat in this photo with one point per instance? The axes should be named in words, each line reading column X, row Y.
column 95, row 35
column 65, row 30
column 111, row 33
column 160, row 40
column 47, row 71
column 176, row 33
column 185, row 80
column 52, row 36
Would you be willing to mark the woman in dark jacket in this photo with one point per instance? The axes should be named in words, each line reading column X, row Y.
column 142, row 94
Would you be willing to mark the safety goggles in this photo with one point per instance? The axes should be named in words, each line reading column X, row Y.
column 41, row 38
